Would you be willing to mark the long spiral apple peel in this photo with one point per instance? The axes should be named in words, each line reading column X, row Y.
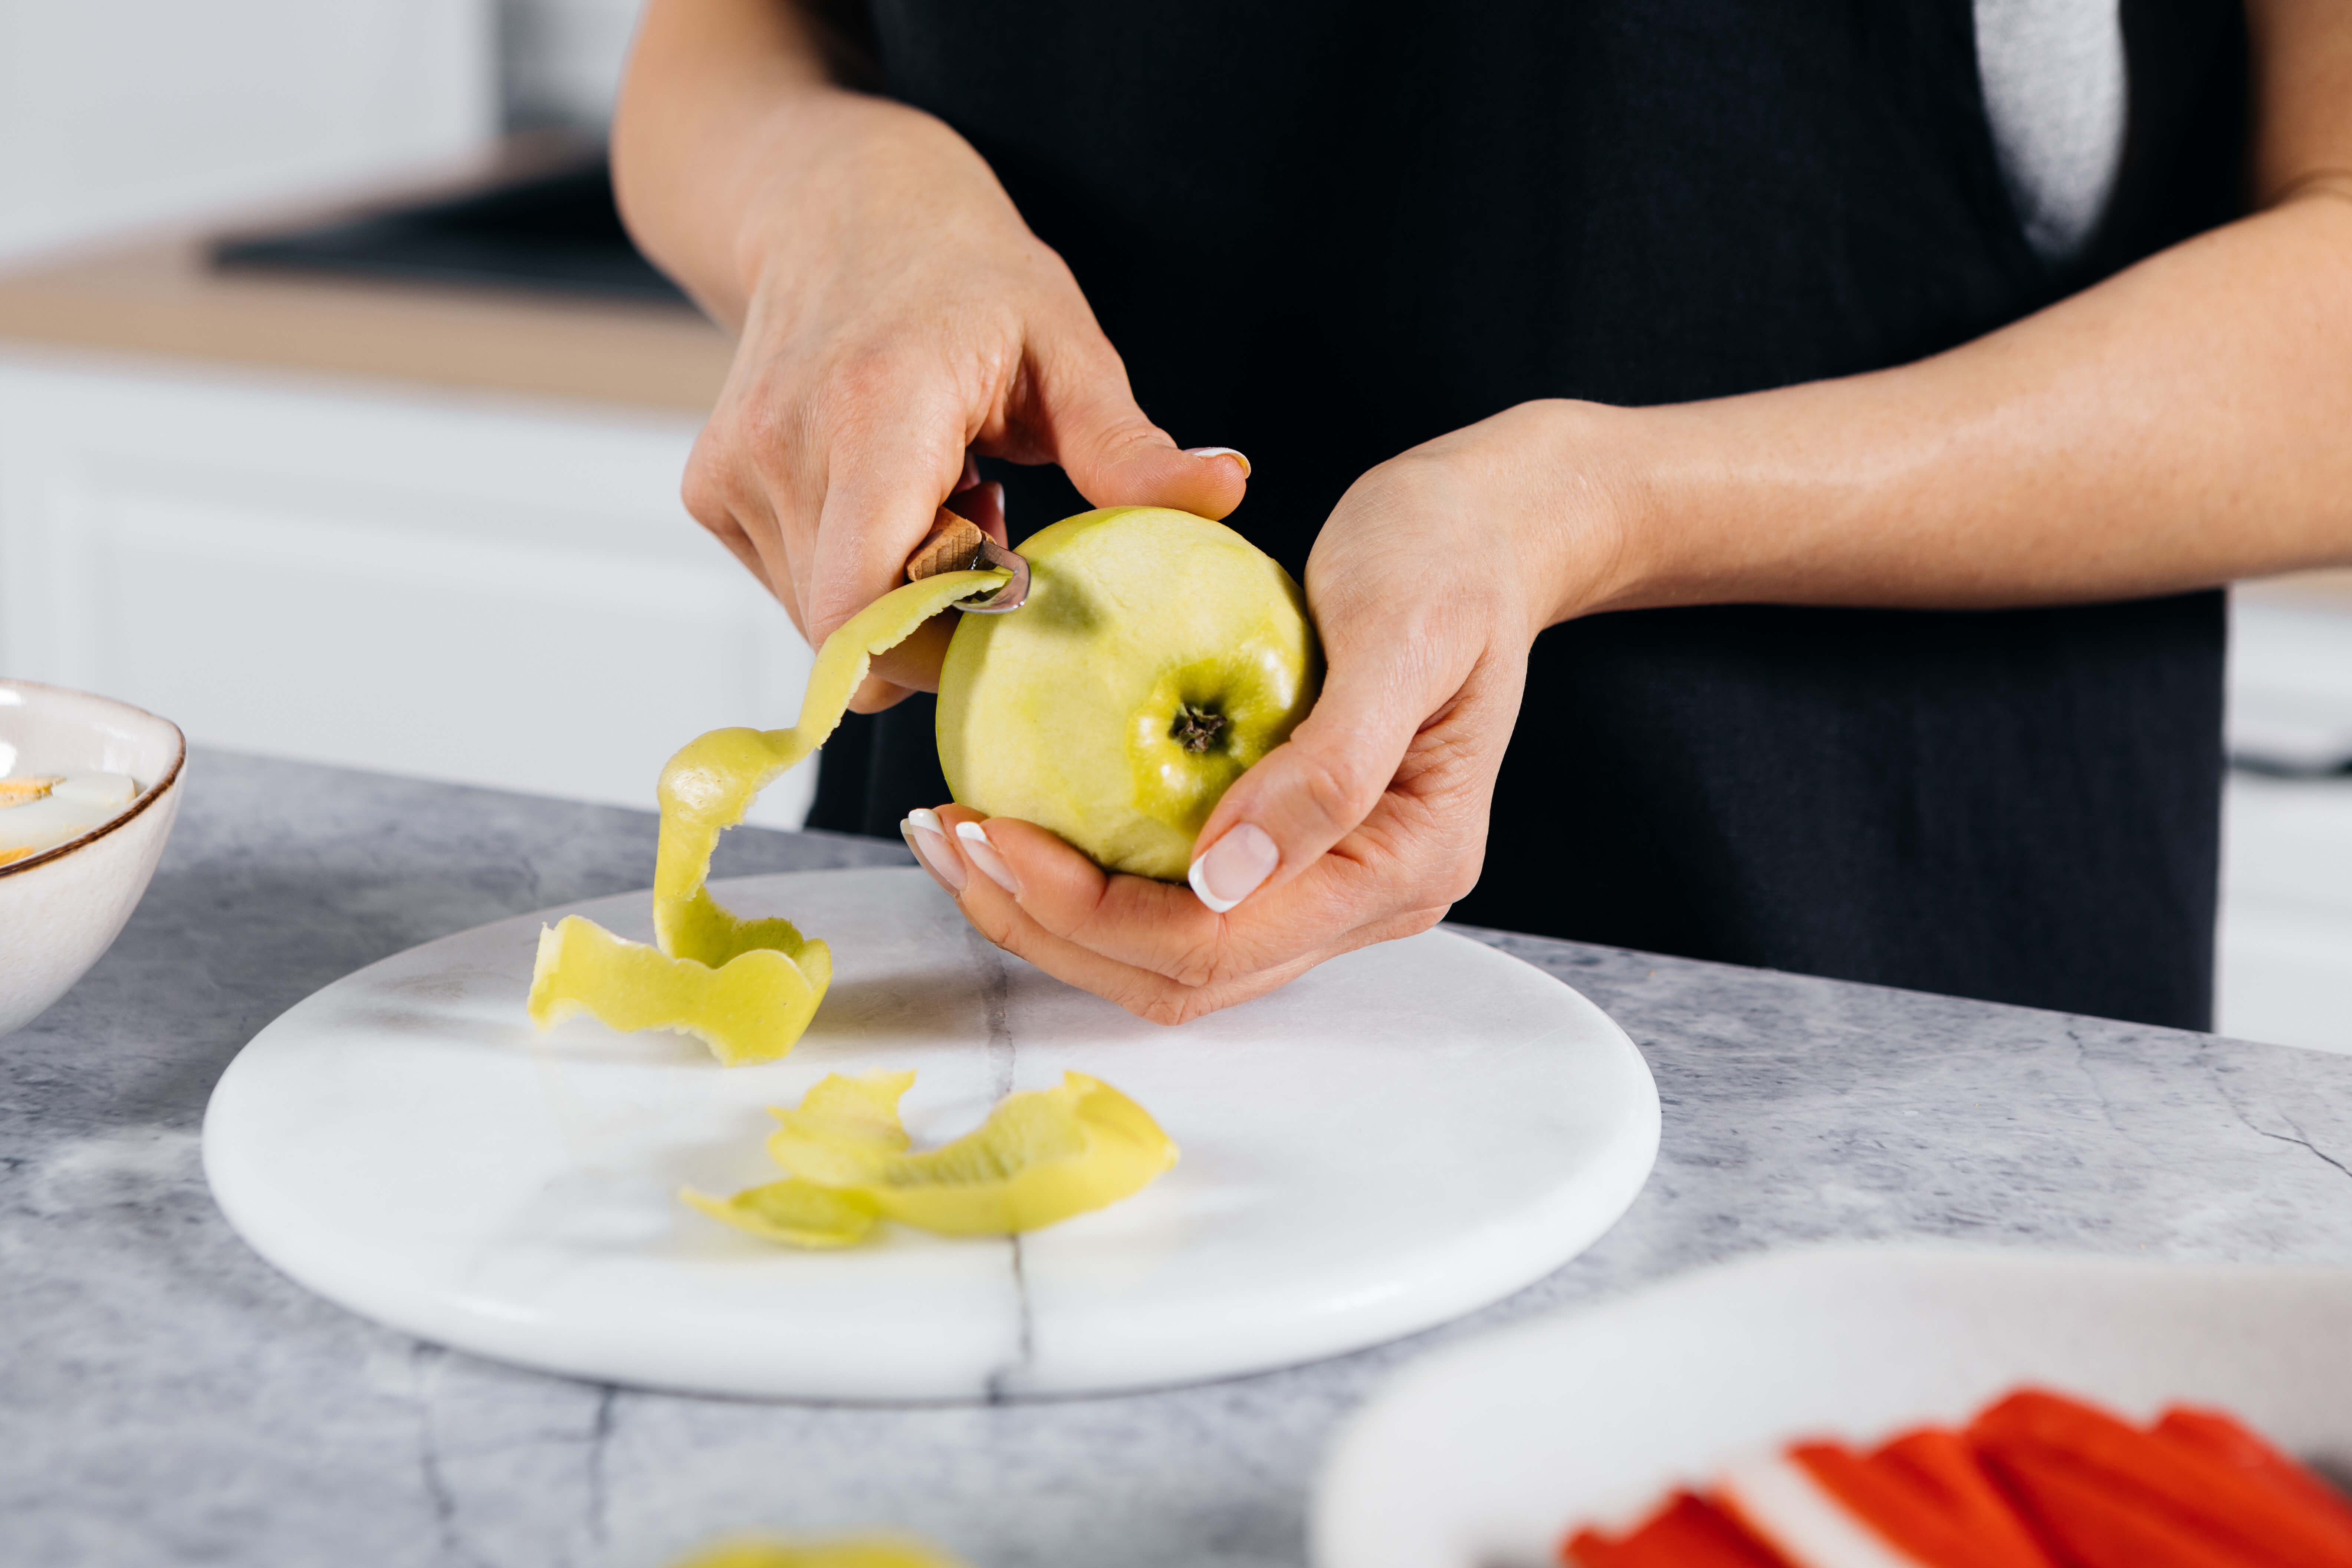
column 856, row 1552
column 746, row 988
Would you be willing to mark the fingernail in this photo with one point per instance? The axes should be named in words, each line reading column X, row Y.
column 1233, row 866
column 985, row 856
column 929, row 840
column 1220, row 452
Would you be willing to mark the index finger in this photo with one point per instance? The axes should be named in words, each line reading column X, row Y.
column 883, row 490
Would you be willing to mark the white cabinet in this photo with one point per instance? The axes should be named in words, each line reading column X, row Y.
column 2286, row 912
column 2286, row 876
column 482, row 590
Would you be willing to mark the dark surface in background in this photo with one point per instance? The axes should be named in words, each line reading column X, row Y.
column 558, row 231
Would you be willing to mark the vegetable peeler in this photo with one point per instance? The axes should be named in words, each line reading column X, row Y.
column 958, row 544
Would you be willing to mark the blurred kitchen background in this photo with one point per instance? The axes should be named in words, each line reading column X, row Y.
column 401, row 493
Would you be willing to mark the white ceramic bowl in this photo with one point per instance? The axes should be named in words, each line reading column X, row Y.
column 1486, row 1454
column 61, row 909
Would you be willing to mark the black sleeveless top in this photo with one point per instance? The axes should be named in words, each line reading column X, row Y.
column 1323, row 232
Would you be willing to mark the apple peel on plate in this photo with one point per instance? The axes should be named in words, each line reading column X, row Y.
column 745, row 988
column 1041, row 1157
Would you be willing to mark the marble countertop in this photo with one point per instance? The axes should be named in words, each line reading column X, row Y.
column 167, row 1397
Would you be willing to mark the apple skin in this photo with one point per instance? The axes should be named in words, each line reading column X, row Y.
column 1158, row 655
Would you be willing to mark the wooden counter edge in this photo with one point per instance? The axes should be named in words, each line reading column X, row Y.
column 162, row 297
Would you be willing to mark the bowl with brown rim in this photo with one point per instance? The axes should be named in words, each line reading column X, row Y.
column 62, row 907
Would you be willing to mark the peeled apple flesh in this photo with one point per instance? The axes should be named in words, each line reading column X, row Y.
column 1158, row 656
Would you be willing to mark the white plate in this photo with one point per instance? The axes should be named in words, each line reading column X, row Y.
column 1400, row 1136
column 1485, row 1455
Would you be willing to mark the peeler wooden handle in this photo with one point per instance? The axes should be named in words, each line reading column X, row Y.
column 958, row 544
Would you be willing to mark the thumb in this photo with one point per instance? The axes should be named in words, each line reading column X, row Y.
column 1313, row 790
column 1114, row 455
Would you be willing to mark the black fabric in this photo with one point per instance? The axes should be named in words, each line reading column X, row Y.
column 878, row 767
column 1323, row 232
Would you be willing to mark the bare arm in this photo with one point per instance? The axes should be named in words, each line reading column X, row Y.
column 895, row 317
column 2184, row 423
column 717, row 93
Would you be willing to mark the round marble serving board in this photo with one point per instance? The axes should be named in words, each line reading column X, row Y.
column 1396, row 1138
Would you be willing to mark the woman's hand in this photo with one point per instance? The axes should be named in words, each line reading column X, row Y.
column 895, row 317
column 1428, row 583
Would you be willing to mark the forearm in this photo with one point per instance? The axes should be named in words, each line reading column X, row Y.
column 731, row 138
column 2180, row 425
column 707, row 94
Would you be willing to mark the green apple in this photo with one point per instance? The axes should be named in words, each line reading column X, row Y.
column 1158, row 655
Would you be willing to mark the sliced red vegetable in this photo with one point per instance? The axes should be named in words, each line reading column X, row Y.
column 2094, row 1523
column 1943, row 1461
column 2047, row 1448
column 1925, row 1493
column 1687, row 1532
column 2224, row 1437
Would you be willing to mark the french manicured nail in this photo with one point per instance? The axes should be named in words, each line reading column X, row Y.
column 1220, row 452
column 929, row 839
column 1233, row 866
column 985, row 856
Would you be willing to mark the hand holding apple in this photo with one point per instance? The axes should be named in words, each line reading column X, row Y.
column 1157, row 658
column 1428, row 585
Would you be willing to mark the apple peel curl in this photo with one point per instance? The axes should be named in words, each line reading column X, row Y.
column 747, row 989
column 858, row 1552
column 1041, row 1157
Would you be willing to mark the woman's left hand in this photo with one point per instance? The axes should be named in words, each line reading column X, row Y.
column 1427, row 584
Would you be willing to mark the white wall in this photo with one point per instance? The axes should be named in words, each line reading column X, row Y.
column 121, row 114
column 562, row 60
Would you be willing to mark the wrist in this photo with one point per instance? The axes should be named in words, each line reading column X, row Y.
column 829, row 157
column 1586, row 537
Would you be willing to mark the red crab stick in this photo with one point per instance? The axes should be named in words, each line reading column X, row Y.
column 2231, row 1442
column 2110, row 1496
column 1925, row 1493
column 1687, row 1532
column 1780, row 1502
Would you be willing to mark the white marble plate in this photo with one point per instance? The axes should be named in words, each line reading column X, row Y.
column 1485, row 1455
column 1395, row 1139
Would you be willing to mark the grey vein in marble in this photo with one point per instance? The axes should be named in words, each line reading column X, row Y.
column 167, row 1397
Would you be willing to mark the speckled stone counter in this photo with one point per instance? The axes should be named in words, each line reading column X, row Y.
column 167, row 1397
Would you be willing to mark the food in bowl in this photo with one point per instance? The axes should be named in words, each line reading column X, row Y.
column 40, row 811
column 88, row 789
column 2038, row 1479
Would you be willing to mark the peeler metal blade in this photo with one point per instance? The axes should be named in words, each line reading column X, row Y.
column 958, row 544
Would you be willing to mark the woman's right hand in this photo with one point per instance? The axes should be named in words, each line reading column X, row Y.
column 897, row 317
